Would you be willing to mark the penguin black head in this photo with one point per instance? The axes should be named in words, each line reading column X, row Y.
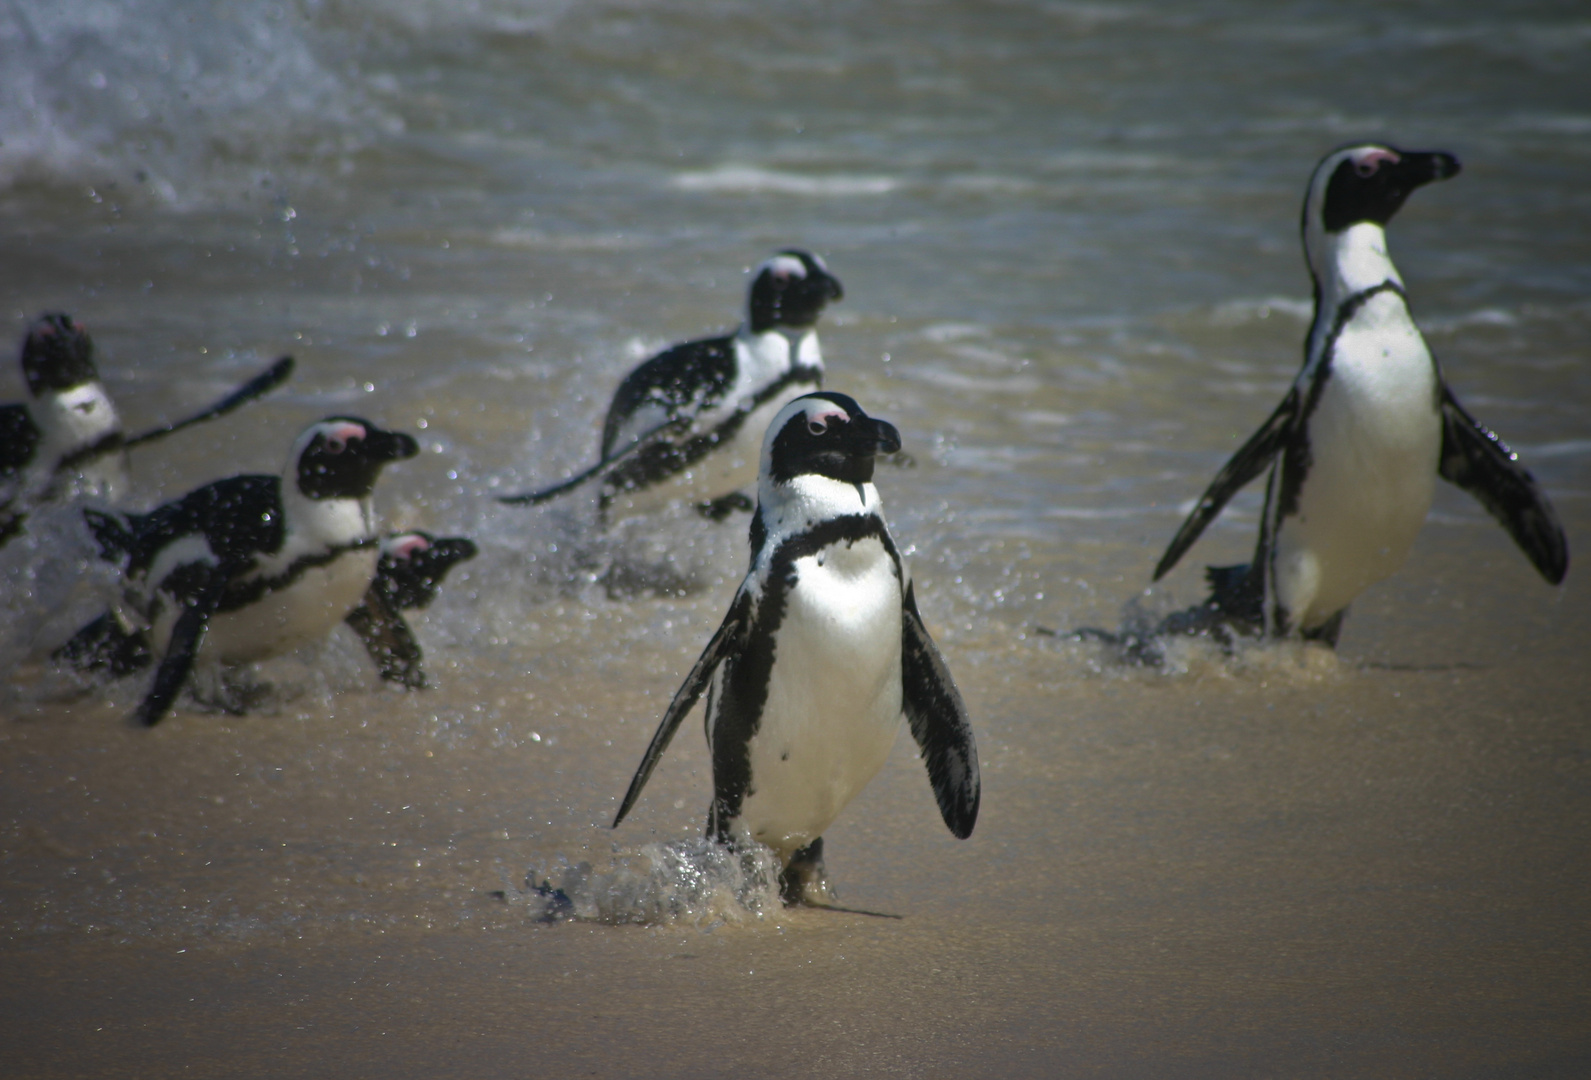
column 57, row 355
column 826, row 434
column 341, row 456
column 1368, row 182
column 413, row 565
column 790, row 289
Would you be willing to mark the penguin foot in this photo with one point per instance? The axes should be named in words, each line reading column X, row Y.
column 720, row 508
column 804, row 880
column 105, row 647
column 232, row 694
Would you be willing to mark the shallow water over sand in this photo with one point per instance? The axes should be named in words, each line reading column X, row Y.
column 1068, row 239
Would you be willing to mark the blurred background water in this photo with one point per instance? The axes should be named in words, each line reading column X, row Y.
column 1068, row 237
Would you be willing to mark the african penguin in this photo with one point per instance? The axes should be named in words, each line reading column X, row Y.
column 253, row 566
column 408, row 574
column 688, row 423
column 822, row 654
column 1362, row 436
column 66, row 440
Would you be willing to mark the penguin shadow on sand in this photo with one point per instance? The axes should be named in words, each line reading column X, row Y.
column 1355, row 448
column 685, row 428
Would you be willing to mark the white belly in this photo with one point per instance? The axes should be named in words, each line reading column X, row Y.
column 1375, row 439
column 731, row 466
column 834, row 697
column 288, row 618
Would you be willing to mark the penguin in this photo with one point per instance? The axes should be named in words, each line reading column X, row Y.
column 1356, row 446
column 408, row 574
column 822, row 655
column 68, row 439
column 255, row 565
column 688, row 423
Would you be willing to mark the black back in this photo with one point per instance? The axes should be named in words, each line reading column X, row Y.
column 681, row 380
column 239, row 517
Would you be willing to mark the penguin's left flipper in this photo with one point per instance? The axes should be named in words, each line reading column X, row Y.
column 730, row 636
column 186, row 637
column 388, row 640
column 938, row 721
column 1250, row 460
column 1475, row 459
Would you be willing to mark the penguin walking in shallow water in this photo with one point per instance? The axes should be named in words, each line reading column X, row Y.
column 1360, row 439
column 688, row 423
column 822, row 655
column 68, row 440
column 408, row 574
column 253, row 566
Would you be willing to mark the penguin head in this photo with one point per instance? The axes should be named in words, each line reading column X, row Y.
column 1365, row 184
column 825, row 434
column 341, row 456
column 57, row 355
column 790, row 289
column 413, row 565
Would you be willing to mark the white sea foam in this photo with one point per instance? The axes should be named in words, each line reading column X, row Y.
column 750, row 180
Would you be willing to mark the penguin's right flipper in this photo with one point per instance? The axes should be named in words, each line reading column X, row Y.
column 388, row 640
column 19, row 438
column 939, row 723
column 1475, row 459
column 1251, row 460
column 728, row 638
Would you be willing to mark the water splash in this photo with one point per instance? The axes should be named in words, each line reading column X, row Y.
column 690, row 882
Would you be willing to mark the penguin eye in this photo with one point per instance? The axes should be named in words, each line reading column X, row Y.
column 1368, row 167
column 817, row 427
column 335, row 446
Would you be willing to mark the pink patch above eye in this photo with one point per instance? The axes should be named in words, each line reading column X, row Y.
column 408, row 547
column 1367, row 163
column 345, row 433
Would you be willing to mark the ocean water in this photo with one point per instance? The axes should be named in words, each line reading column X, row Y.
column 1068, row 235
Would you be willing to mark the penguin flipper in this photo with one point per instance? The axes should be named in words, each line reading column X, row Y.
column 728, row 637
column 388, row 640
column 1251, row 460
column 19, row 438
column 939, row 723
column 186, row 637
column 1475, row 459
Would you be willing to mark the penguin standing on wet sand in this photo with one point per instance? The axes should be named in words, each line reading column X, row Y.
column 410, row 571
column 821, row 656
column 68, row 436
column 254, row 566
column 1363, row 434
column 688, row 423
